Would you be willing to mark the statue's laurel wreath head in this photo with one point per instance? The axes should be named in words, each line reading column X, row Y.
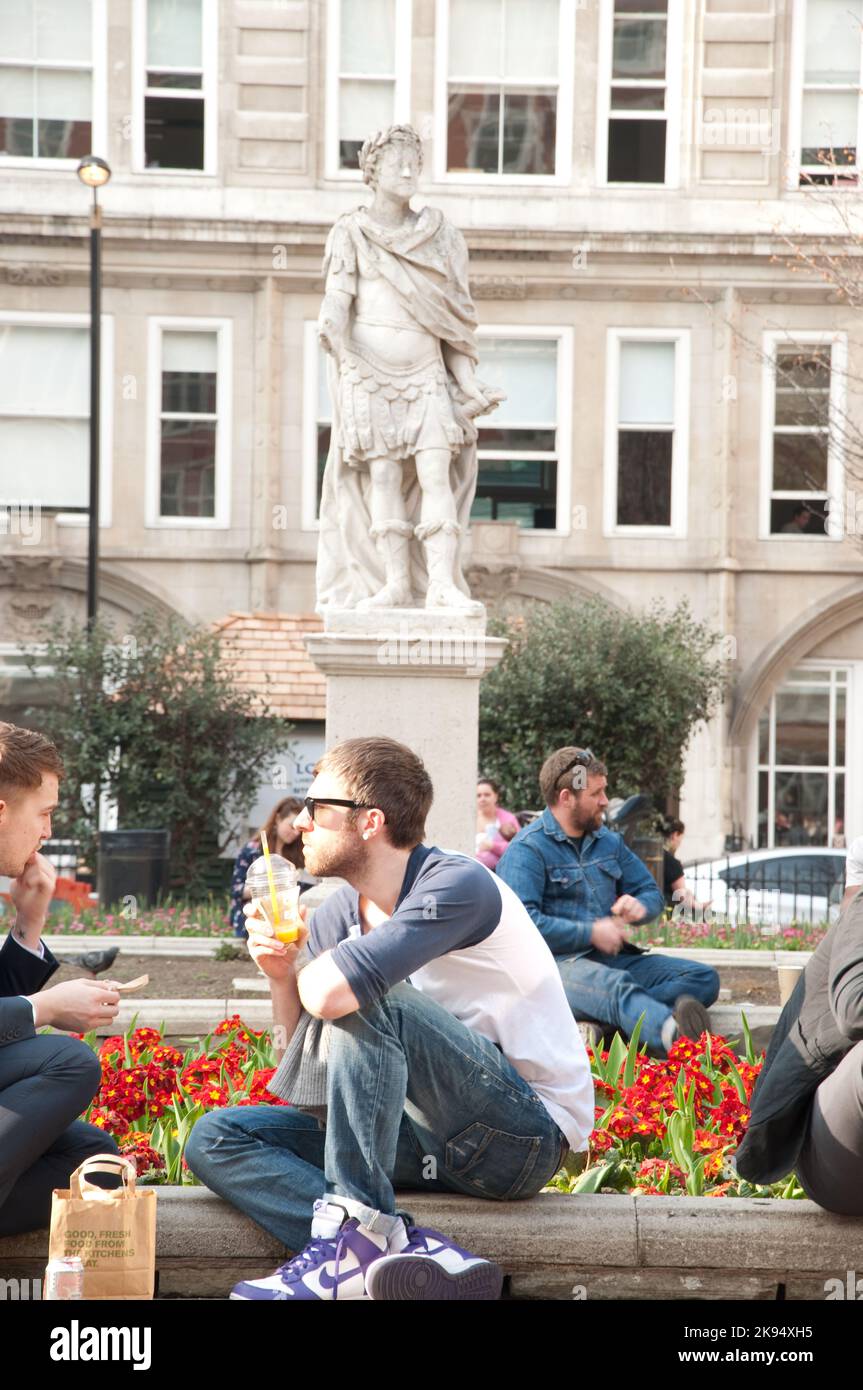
column 377, row 143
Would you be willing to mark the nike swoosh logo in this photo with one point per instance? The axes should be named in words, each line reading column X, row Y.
column 328, row 1282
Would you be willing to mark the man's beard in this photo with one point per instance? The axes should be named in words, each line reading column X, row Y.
column 583, row 824
column 341, row 860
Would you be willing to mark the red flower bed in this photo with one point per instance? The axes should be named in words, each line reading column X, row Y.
column 152, row 1094
column 671, row 1127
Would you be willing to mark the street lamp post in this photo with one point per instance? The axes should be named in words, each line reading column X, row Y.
column 94, row 173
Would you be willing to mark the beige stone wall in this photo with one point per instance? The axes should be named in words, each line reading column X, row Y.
column 738, row 89
column 269, row 59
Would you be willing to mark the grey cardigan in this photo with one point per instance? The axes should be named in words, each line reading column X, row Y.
column 301, row 1076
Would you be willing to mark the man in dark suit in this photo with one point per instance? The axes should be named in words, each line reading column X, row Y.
column 46, row 1080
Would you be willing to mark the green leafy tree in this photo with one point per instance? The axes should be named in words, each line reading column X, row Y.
column 154, row 719
column 631, row 686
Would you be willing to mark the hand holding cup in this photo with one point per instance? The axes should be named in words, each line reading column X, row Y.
column 274, row 958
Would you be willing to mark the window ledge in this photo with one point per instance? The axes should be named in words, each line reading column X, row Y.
column 171, row 175
column 186, row 523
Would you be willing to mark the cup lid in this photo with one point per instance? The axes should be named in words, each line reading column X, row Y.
column 282, row 869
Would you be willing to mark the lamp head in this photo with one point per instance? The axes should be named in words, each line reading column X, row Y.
column 94, row 172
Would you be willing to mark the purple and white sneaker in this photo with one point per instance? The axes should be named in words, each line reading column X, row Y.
column 432, row 1267
column 332, row 1266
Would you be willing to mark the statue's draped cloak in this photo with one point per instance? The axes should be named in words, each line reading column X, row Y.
column 427, row 266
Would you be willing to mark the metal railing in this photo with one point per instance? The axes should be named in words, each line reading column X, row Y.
column 770, row 892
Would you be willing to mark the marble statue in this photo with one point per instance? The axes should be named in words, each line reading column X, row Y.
column 399, row 326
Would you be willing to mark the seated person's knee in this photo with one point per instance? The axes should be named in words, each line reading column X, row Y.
column 202, row 1136
column 711, row 985
column 79, row 1062
column 100, row 1142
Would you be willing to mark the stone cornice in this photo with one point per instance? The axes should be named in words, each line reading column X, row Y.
column 607, row 281
column 403, row 651
column 509, row 243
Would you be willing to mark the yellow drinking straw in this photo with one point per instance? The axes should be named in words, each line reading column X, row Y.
column 273, row 899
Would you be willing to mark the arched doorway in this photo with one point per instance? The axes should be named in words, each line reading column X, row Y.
column 38, row 590
column 797, row 729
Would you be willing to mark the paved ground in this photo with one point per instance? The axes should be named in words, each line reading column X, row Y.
column 754, row 986
column 194, row 978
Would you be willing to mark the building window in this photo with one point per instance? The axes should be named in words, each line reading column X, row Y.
column 523, row 448
column 323, row 426
column 802, row 381
column 192, row 436
column 518, row 442
column 317, row 424
column 830, row 47
column 801, row 759
column 647, row 432
column 47, row 76
column 189, row 420
column 638, row 119
column 45, row 411
column 369, row 71
column 503, row 99
column 179, row 46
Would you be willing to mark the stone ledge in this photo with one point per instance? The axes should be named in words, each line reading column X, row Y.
column 66, row 943
column 397, row 655
column 614, row 1247
column 185, row 1017
column 734, row 958
column 409, row 624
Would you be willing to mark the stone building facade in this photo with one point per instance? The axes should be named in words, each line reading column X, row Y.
column 628, row 177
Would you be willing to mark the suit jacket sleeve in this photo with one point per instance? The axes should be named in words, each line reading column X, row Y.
column 16, row 1020
column 21, row 972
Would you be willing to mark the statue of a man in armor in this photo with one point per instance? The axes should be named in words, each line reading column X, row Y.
column 399, row 325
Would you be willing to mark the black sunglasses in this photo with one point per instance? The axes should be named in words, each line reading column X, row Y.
column 582, row 759
column 310, row 802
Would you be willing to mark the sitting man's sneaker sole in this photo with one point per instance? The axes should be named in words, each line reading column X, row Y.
column 414, row 1278
column 691, row 1016
column 284, row 1298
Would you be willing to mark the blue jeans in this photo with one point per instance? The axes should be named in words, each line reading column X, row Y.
column 415, row 1100
column 617, row 989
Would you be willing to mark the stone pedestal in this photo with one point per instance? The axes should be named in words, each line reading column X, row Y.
column 414, row 676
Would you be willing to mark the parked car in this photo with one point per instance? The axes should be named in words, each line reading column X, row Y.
column 773, row 886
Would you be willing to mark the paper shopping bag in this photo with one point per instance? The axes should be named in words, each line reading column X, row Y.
column 113, row 1232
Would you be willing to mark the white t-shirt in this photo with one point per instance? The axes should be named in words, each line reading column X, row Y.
column 466, row 940
column 854, row 863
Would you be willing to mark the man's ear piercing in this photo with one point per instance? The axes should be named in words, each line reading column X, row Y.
column 365, row 834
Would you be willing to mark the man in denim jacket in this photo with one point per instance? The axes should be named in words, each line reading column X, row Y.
column 582, row 886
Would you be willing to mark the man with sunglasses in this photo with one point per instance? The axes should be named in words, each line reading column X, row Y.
column 583, row 886
column 453, row 1063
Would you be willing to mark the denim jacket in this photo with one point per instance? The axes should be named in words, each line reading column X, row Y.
column 565, row 888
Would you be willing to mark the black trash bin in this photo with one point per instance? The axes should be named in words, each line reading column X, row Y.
column 133, row 863
column 626, row 820
column 649, row 850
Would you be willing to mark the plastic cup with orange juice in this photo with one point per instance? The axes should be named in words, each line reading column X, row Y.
column 276, row 894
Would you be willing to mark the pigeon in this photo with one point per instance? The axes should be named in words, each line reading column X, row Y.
column 94, row 962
